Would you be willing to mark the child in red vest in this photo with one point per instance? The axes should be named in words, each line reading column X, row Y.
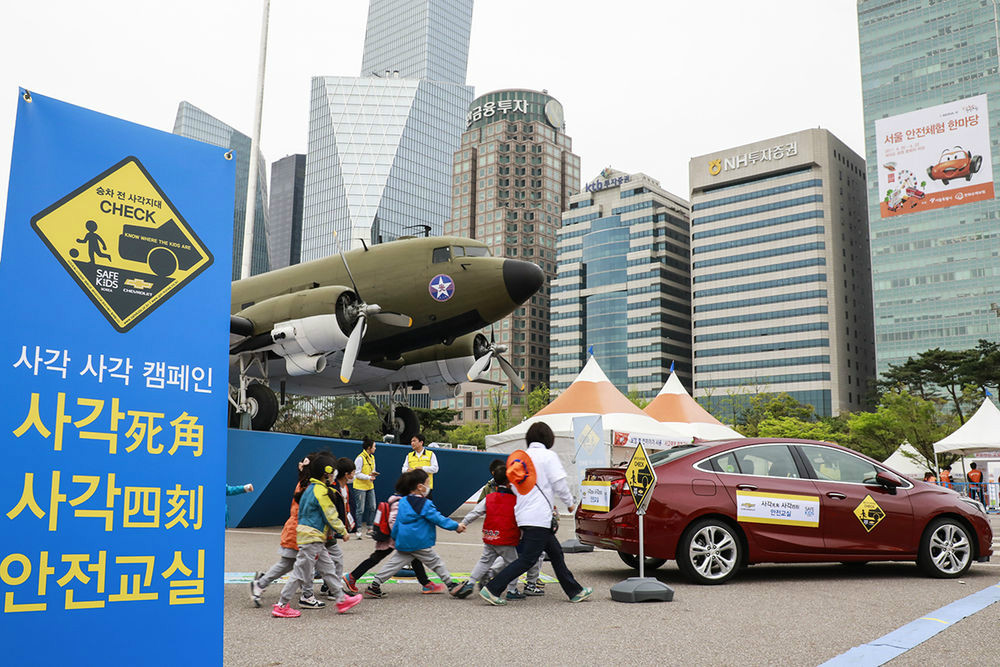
column 500, row 534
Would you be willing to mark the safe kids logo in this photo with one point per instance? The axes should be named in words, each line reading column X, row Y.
column 123, row 242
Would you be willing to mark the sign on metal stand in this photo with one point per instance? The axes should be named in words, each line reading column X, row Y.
column 641, row 479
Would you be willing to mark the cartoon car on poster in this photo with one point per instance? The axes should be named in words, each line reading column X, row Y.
column 955, row 163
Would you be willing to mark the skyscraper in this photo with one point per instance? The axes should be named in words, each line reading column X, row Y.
column 381, row 145
column 780, row 274
column 623, row 284
column 284, row 231
column 932, row 106
column 193, row 123
column 512, row 178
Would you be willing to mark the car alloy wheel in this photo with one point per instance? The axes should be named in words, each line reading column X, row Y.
column 710, row 552
column 945, row 549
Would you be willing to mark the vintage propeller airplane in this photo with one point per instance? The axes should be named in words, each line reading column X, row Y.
column 395, row 316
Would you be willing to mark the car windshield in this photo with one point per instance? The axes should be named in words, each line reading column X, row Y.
column 666, row 455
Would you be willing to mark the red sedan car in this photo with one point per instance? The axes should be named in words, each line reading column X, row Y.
column 719, row 506
column 955, row 163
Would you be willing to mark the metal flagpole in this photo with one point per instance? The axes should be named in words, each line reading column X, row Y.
column 642, row 547
column 254, row 148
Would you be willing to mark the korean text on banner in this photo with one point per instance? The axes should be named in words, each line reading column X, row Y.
column 935, row 157
column 111, row 493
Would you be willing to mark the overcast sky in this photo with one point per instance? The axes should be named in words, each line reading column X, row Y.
column 645, row 84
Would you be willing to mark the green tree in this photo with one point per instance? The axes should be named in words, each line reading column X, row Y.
column 902, row 416
column 436, row 423
column 762, row 406
column 537, row 399
column 793, row 427
column 638, row 399
column 471, row 433
column 499, row 410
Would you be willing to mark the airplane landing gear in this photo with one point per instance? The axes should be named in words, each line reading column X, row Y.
column 402, row 423
column 254, row 405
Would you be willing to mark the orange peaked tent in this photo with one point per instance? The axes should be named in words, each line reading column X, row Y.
column 674, row 407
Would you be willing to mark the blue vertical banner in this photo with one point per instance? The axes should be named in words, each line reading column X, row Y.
column 116, row 264
column 591, row 449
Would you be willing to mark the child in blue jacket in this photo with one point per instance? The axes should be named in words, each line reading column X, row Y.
column 415, row 534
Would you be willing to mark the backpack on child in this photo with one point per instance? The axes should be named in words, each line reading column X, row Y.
column 381, row 530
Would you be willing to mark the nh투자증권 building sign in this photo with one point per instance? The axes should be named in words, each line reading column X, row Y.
column 751, row 158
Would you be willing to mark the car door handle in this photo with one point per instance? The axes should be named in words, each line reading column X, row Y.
column 835, row 495
column 746, row 487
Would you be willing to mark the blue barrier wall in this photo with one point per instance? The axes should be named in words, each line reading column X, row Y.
column 268, row 461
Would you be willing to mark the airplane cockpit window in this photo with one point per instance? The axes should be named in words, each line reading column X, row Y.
column 441, row 255
column 476, row 251
column 457, row 251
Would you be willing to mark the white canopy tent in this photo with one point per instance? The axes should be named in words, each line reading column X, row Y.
column 981, row 433
column 905, row 460
column 591, row 393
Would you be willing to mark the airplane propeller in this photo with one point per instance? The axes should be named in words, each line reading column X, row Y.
column 362, row 311
column 495, row 350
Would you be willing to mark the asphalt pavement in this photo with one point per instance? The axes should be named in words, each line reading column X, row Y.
column 766, row 615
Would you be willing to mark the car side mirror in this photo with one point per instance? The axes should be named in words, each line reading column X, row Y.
column 888, row 481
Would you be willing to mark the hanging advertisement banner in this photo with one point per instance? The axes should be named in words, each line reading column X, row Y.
column 621, row 439
column 118, row 239
column 591, row 449
column 934, row 158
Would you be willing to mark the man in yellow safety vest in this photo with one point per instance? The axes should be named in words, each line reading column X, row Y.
column 421, row 457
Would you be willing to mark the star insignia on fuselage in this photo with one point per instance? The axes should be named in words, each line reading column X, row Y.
column 441, row 287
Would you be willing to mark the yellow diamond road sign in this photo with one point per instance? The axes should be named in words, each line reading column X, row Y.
column 123, row 242
column 640, row 476
column 869, row 513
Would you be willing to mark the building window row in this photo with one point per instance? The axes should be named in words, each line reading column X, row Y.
column 634, row 191
column 764, row 284
column 780, row 189
column 761, row 300
column 756, row 181
column 762, row 380
column 739, row 213
column 757, row 270
column 581, row 218
column 757, row 224
column 760, row 254
column 764, row 347
column 767, row 331
column 757, row 317
column 763, row 238
column 633, row 207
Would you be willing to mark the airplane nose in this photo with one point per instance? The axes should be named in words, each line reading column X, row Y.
column 522, row 279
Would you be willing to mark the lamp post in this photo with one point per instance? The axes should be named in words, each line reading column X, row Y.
column 254, row 148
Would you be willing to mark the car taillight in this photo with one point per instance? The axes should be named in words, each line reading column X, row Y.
column 620, row 486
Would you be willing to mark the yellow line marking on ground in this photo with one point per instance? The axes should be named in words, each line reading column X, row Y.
column 928, row 618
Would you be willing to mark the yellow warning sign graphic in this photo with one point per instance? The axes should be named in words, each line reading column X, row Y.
column 640, row 476
column 869, row 513
column 124, row 243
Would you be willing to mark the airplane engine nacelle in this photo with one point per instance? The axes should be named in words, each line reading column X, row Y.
column 440, row 392
column 300, row 364
column 305, row 342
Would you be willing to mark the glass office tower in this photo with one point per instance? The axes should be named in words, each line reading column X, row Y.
column 931, row 102
column 284, row 230
column 381, row 145
column 780, row 273
column 623, row 285
column 193, row 123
